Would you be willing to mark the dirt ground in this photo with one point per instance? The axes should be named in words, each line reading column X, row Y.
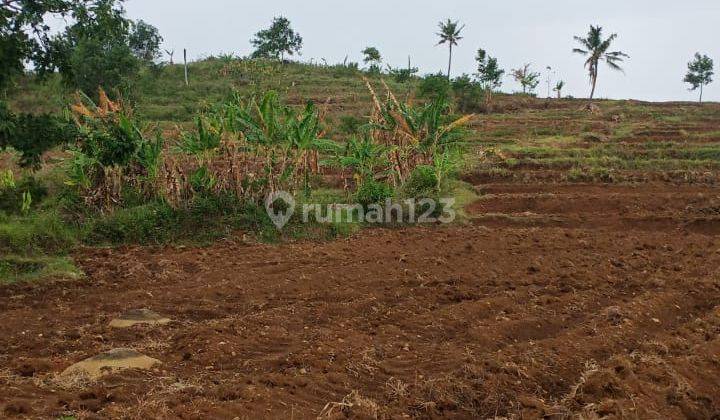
column 552, row 300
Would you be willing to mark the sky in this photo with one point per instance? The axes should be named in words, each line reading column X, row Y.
column 660, row 36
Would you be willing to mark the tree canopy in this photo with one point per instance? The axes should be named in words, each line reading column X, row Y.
column 276, row 41
column 24, row 33
column 528, row 79
column 489, row 72
column 700, row 72
column 596, row 49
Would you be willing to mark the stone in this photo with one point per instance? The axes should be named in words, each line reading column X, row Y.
column 112, row 361
column 138, row 316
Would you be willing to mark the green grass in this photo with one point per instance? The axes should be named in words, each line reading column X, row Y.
column 14, row 269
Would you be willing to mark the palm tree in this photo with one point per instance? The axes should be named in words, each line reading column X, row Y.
column 596, row 48
column 450, row 34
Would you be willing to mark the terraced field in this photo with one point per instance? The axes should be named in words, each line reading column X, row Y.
column 584, row 280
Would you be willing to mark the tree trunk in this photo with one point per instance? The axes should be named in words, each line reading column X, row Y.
column 559, row 93
column 701, row 92
column 450, row 61
column 594, row 82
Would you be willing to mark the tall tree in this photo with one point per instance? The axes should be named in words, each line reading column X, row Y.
column 700, row 73
column 24, row 32
column 450, row 34
column 489, row 74
column 145, row 40
column 95, row 50
column 372, row 57
column 596, row 49
column 276, row 41
column 528, row 79
column 558, row 88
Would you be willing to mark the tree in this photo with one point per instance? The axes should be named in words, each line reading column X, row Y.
column 372, row 57
column 528, row 79
column 145, row 40
column 596, row 49
column 276, row 41
column 450, row 34
column 489, row 75
column 95, row 51
column 700, row 73
column 23, row 32
column 558, row 88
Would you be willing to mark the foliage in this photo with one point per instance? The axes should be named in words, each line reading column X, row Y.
column 248, row 149
column 489, row 72
column 528, row 79
column 33, row 135
column 403, row 75
column 17, row 197
column 558, row 88
column 700, row 72
column 144, row 41
column 450, row 34
column 469, row 94
column 434, row 86
column 596, row 49
column 364, row 157
column 414, row 135
column 371, row 191
column 423, row 182
column 276, row 41
column 94, row 52
column 112, row 151
column 23, row 31
column 373, row 58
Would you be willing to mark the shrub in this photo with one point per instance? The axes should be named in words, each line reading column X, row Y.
column 423, row 182
column 37, row 233
column 403, row 75
column 373, row 192
column 150, row 223
column 434, row 86
column 469, row 95
column 33, row 135
column 11, row 196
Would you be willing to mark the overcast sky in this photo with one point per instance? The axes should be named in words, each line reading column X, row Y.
column 661, row 36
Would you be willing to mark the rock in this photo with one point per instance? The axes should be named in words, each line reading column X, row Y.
column 138, row 316
column 111, row 361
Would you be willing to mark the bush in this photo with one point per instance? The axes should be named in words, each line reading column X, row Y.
column 152, row 223
column 434, row 86
column 11, row 197
column 469, row 95
column 373, row 192
column 38, row 233
column 423, row 182
column 33, row 135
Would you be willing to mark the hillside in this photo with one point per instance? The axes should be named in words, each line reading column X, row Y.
column 579, row 280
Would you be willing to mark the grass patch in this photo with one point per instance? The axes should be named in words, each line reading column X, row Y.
column 15, row 269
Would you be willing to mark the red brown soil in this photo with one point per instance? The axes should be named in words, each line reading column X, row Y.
column 551, row 300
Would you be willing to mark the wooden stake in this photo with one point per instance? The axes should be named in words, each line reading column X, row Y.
column 187, row 81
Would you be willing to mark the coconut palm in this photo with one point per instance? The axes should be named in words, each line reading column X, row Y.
column 596, row 49
column 450, row 34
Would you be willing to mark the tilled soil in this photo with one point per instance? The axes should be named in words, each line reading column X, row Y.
column 551, row 300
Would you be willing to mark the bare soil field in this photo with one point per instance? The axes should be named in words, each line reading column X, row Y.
column 583, row 283
column 552, row 300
